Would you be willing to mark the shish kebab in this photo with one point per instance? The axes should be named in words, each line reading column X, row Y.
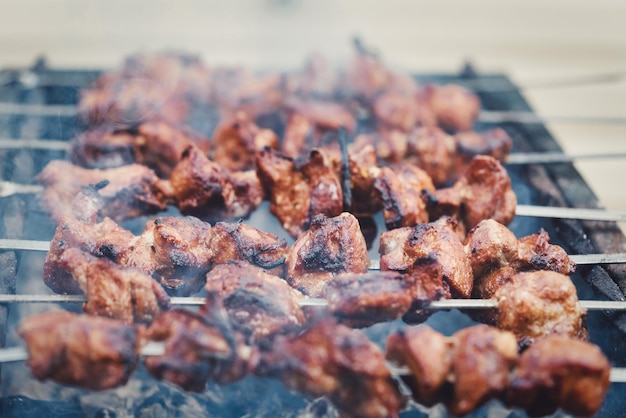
column 519, row 158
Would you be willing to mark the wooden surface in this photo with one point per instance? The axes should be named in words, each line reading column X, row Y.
column 534, row 42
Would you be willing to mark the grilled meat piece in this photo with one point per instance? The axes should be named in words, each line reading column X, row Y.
column 494, row 142
column 104, row 239
column 435, row 151
column 103, row 147
column 482, row 192
column 324, row 115
column 366, row 200
column 298, row 192
column 330, row 247
column 426, row 353
column 160, row 145
column 196, row 347
column 482, row 360
column 494, row 250
column 259, row 304
column 239, row 241
column 558, row 372
column 202, row 188
column 147, row 87
column 113, row 291
column 131, row 191
column 247, row 91
column 451, row 107
column 328, row 359
column 401, row 190
column 404, row 250
column 236, row 140
column 317, row 79
column 87, row 351
column 361, row 300
column 540, row 303
column 396, row 110
column 175, row 251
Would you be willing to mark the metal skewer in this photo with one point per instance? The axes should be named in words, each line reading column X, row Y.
column 443, row 304
column 8, row 188
column 15, row 354
column 579, row 259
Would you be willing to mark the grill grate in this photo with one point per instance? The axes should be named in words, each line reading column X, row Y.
column 22, row 219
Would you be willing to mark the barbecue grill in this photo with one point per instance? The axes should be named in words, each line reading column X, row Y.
column 36, row 104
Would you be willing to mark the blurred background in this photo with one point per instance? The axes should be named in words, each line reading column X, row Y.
column 569, row 57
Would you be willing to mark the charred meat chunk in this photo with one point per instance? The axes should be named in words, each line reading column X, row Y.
column 195, row 348
column 404, row 249
column 335, row 361
column 330, row 247
column 558, row 372
column 426, row 353
column 482, row 192
column 131, row 191
column 91, row 352
column 401, row 190
column 175, row 251
column 239, row 241
column 113, row 291
column 236, row 140
column 259, row 304
column 104, row 239
column 482, row 360
column 540, row 303
column 203, row 188
column 361, row 300
column 450, row 106
column 298, row 192
column 434, row 151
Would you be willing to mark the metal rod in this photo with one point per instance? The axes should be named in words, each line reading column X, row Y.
column 15, row 354
column 591, row 305
column 557, row 157
column 38, row 109
column 43, row 144
column 527, row 117
column 570, row 213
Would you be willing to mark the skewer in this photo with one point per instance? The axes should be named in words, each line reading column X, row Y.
column 15, row 354
column 579, row 259
column 490, row 116
column 518, row 158
column 8, row 188
column 443, row 304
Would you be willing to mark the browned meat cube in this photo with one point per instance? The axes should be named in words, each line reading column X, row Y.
column 453, row 107
column 239, row 241
column 91, row 352
column 236, row 140
column 401, row 248
column 401, row 190
column 482, row 360
column 364, row 171
column 131, row 191
column 113, row 291
column 494, row 142
column 333, row 360
column 558, row 372
column 194, row 348
column 396, row 110
column 103, row 147
column 175, row 251
column 482, row 192
column 104, row 239
column 203, row 188
column 434, row 151
column 331, row 246
column 298, row 192
column 540, row 303
column 361, row 300
column 426, row 353
column 259, row 304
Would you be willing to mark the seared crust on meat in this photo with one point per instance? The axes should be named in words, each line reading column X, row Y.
column 91, row 352
column 330, row 247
